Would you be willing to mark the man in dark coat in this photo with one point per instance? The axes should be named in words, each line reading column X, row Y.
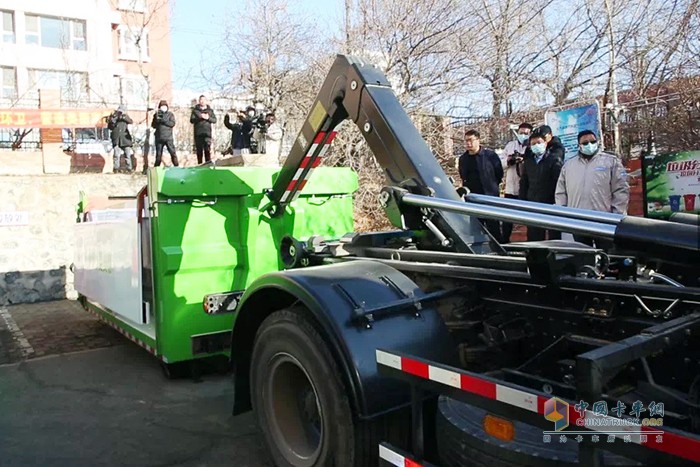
column 554, row 146
column 481, row 172
column 235, row 127
column 122, row 142
column 202, row 118
column 163, row 122
column 538, row 179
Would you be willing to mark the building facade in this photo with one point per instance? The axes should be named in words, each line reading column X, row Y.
column 92, row 53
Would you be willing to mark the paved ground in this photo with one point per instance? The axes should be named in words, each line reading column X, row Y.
column 49, row 328
column 108, row 404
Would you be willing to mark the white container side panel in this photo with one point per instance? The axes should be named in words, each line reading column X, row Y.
column 108, row 260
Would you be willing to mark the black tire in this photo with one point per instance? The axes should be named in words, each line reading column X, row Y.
column 301, row 402
column 462, row 441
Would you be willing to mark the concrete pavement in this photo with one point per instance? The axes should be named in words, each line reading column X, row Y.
column 113, row 406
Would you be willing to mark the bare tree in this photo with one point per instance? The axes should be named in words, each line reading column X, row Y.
column 268, row 56
column 509, row 42
column 574, row 52
column 143, row 15
column 272, row 57
column 416, row 44
column 659, row 49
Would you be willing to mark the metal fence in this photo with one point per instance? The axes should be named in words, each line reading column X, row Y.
column 28, row 139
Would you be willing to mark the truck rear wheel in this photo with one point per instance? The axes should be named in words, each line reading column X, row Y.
column 301, row 402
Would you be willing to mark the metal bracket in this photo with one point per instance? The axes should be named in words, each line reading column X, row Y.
column 220, row 303
column 410, row 304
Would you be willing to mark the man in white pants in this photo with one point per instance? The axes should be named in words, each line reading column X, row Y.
column 511, row 158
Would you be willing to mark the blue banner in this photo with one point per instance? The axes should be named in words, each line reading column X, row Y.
column 566, row 124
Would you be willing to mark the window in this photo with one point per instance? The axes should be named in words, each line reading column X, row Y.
column 9, row 83
column 32, row 29
column 8, row 27
column 138, row 6
column 58, row 33
column 133, row 44
column 20, row 139
column 134, row 91
column 73, row 84
column 78, row 40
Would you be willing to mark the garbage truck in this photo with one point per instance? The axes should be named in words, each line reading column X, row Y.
column 153, row 265
column 430, row 343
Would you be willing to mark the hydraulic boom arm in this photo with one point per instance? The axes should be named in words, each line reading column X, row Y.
column 361, row 92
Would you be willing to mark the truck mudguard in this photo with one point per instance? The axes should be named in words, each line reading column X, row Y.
column 358, row 306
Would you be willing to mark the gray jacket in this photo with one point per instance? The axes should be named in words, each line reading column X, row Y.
column 599, row 183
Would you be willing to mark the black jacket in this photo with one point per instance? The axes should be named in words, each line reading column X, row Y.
column 118, row 123
column 556, row 149
column 202, row 127
column 538, row 182
column 490, row 170
column 163, row 122
column 241, row 132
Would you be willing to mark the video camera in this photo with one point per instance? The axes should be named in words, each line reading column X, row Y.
column 515, row 158
column 260, row 122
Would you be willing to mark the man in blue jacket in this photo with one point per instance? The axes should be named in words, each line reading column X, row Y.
column 481, row 172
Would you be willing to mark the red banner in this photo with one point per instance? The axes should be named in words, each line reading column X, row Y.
column 61, row 118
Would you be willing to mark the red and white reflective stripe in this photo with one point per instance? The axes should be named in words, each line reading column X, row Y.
column 125, row 333
column 671, row 443
column 310, row 162
column 395, row 458
column 460, row 381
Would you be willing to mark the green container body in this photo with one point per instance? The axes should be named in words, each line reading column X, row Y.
column 210, row 234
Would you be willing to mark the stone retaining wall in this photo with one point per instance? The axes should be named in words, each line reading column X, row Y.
column 35, row 256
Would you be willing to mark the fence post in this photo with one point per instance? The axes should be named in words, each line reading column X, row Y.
column 54, row 160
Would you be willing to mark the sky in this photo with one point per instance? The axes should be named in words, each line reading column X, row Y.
column 196, row 26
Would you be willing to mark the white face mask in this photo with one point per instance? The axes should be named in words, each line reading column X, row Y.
column 588, row 149
column 538, row 149
column 522, row 138
column 251, row 113
column 163, row 108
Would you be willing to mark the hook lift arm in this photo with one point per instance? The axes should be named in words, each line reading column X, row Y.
column 361, row 92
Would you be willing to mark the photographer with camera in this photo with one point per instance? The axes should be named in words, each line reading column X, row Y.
column 259, row 143
column 163, row 122
column 250, row 122
column 122, row 142
column 236, row 130
column 512, row 159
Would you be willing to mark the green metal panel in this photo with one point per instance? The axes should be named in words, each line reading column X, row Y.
column 211, row 235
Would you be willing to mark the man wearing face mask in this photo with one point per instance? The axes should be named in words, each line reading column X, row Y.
column 512, row 158
column 538, row 180
column 593, row 180
column 554, row 146
column 202, row 118
column 163, row 122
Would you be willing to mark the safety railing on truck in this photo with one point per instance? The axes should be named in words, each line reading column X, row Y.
column 523, row 404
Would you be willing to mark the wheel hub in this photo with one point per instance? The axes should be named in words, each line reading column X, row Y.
column 294, row 411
